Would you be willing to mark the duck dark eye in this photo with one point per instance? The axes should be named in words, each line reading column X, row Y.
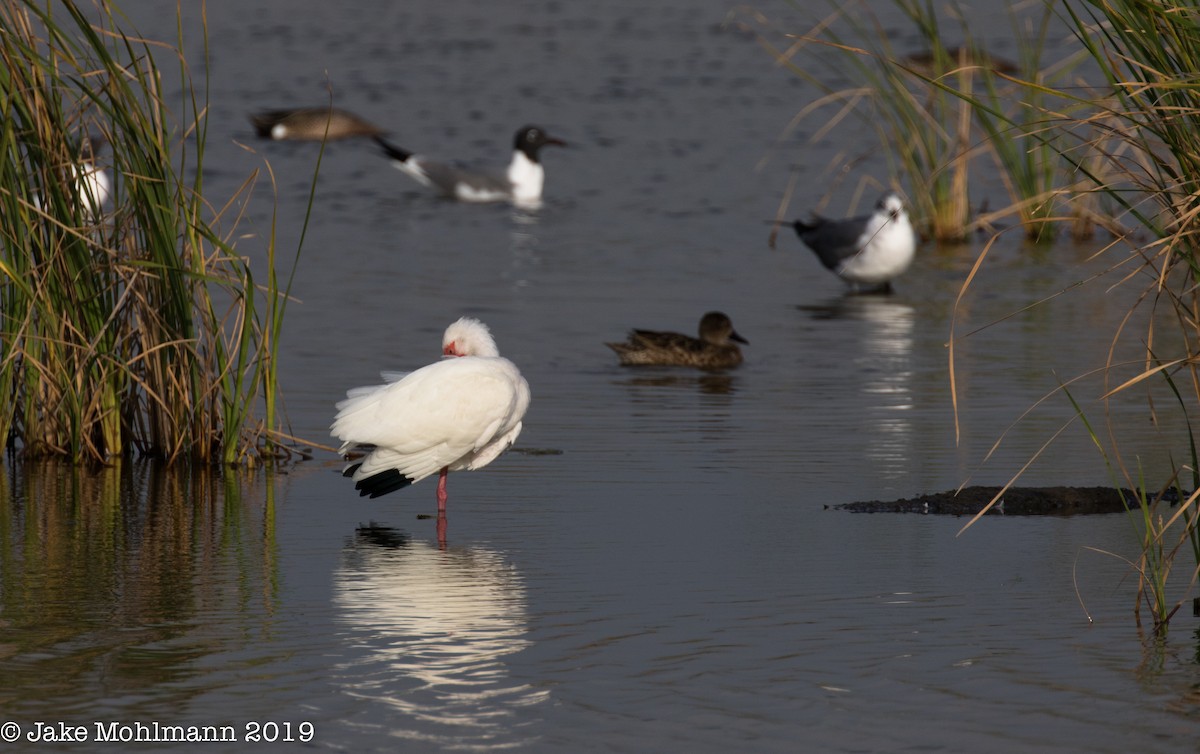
column 532, row 134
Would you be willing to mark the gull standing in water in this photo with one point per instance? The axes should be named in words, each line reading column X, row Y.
column 521, row 184
column 868, row 251
column 459, row 413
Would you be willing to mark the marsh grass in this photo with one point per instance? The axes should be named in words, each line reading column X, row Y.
column 1022, row 137
column 1136, row 143
column 1122, row 153
column 1148, row 53
column 940, row 110
column 924, row 130
column 131, row 326
column 931, row 143
column 1154, row 523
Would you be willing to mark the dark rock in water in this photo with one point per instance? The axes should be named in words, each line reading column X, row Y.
column 1017, row 501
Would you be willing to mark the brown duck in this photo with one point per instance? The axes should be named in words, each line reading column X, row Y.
column 714, row 348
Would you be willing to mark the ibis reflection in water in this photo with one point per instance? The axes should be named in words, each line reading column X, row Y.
column 427, row 633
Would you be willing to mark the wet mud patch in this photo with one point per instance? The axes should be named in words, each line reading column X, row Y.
column 1017, row 501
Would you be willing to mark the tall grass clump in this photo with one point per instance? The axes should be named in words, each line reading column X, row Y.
column 1022, row 136
column 927, row 130
column 938, row 110
column 923, row 130
column 128, row 324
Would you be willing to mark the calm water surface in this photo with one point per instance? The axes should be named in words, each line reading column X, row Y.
column 654, row 568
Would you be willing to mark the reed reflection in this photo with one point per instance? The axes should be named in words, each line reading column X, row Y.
column 106, row 576
column 430, row 629
column 525, row 254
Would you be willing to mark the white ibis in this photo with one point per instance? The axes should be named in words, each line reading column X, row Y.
column 459, row 413
column 867, row 251
column 521, row 183
column 714, row 349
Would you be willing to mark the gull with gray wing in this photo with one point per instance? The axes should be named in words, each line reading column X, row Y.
column 868, row 251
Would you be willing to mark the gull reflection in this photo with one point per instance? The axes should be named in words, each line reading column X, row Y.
column 525, row 255
column 882, row 343
column 430, row 630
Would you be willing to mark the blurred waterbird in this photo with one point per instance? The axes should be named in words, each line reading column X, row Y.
column 92, row 183
column 311, row 124
column 926, row 62
column 868, row 251
column 521, row 183
column 714, row 349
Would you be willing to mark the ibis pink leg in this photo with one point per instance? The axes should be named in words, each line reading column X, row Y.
column 441, row 517
column 441, row 491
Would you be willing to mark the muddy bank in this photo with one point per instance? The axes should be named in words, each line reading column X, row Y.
column 1017, row 501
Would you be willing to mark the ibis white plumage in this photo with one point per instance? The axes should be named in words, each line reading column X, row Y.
column 459, row 413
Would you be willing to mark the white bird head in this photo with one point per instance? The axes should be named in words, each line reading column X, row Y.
column 891, row 204
column 469, row 337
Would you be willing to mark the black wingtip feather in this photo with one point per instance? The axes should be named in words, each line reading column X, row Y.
column 391, row 150
column 382, row 483
column 802, row 227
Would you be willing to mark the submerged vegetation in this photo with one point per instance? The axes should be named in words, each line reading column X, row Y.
column 128, row 323
column 1121, row 153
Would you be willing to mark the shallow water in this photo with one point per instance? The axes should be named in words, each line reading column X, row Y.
column 653, row 568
